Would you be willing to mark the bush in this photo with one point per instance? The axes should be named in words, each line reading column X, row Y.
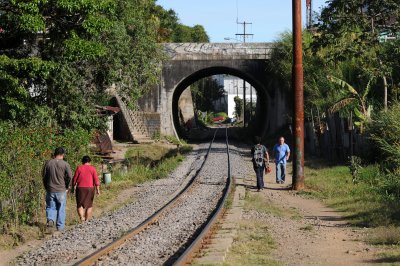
column 205, row 120
column 385, row 134
column 238, row 106
column 221, row 114
column 24, row 151
column 384, row 131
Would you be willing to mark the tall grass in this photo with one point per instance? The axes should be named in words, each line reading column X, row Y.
column 363, row 203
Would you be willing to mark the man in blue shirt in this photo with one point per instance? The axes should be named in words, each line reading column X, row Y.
column 281, row 154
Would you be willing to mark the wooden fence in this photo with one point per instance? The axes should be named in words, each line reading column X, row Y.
column 334, row 139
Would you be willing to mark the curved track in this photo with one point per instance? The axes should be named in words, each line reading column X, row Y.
column 175, row 231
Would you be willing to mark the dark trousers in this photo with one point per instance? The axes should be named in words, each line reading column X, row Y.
column 260, row 176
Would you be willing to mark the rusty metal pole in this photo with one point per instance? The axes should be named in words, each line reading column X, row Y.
column 298, row 108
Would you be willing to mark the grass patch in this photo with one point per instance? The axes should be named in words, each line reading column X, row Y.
column 360, row 203
column 389, row 258
column 308, row 227
column 252, row 246
column 384, row 236
column 152, row 151
column 259, row 203
column 229, row 200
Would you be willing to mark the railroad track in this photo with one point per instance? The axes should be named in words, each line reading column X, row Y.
column 204, row 196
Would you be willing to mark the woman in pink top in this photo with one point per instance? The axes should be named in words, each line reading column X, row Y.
column 85, row 179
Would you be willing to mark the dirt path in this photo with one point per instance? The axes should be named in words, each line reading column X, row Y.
column 316, row 235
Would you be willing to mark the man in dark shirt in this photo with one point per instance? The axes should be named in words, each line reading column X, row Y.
column 57, row 177
column 260, row 159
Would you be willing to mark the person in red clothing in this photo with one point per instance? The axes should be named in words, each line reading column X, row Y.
column 85, row 180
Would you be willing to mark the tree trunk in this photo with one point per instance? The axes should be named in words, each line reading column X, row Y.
column 385, row 89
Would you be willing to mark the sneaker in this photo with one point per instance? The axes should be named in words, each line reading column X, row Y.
column 50, row 227
column 258, row 190
column 57, row 232
column 50, row 223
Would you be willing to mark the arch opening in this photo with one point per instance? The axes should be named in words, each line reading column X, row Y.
column 256, row 126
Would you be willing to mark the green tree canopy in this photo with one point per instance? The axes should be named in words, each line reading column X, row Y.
column 64, row 54
column 171, row 30
column 351, row 29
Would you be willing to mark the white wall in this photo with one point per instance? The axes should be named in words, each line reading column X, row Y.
column 234, row 86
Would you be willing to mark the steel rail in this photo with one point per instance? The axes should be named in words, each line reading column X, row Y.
column 94, row 257
column 197, row 243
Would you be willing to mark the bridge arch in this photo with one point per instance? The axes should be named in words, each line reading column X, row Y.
column 262, row 94
column 189, row 62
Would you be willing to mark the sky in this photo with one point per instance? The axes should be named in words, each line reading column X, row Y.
column 269, row 18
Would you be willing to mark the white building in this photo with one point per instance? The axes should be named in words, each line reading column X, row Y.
column 234, row 87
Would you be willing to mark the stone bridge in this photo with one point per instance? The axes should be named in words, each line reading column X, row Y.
column 189, row 62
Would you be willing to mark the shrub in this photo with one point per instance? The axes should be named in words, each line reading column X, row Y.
column 238, row 107
column 24, row 151
column 221, row 114
column 385, row 134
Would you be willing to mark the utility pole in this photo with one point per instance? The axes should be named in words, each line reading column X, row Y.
column 309, row 14
column 298, row 106
column 244, row 35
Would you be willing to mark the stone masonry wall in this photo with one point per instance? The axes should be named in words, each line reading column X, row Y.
column 152, row 121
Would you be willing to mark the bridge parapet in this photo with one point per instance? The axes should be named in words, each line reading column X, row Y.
column 218, row 51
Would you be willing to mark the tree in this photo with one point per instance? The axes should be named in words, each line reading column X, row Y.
column 204, row 92
column 238, row 106
column 351, row 30
column 199, row 34
column 171, row 30
column 63, row 55
column 319, row 92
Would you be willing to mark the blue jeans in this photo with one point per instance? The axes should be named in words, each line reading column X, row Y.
column 55, row 208
column 280, row 172
column 260, row 176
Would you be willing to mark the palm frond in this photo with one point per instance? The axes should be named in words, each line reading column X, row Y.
column 340, row 104
column 360, row 115
column 367, row 89
column 343, row 84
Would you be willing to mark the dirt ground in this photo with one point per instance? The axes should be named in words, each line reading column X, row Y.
column 318, row 235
